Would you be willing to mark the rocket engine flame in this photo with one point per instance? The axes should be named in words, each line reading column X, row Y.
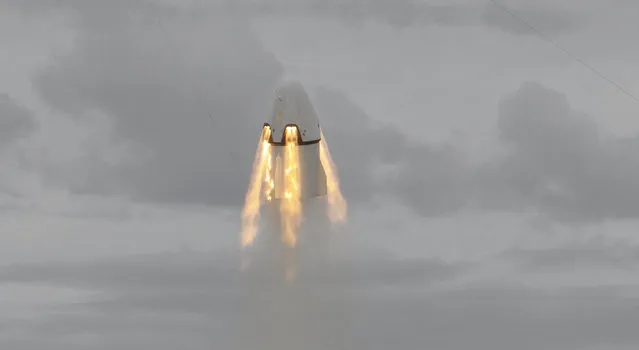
column 263, row 183
column 337, row 207
column 292, row 167
column 252, row 202
column 290, row 206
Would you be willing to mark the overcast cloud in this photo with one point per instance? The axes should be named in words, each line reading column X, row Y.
column 130, row 70
column 491, row 180
column 16, row 121
column 401, row 14
column 161, row 301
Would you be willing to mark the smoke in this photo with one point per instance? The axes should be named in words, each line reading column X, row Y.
column 281, row 239
column 284, row 311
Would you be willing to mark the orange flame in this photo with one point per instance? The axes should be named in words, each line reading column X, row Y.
column 290, row 206
column 337, row 207
column 252, row 202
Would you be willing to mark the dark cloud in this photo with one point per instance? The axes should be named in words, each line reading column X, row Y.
column 356, row 144
column 519, row 20
column 103, row 11
column 159, row 92
column 15, row 121
column 407, row 13
column 166, row 300
column 208, row 301
column 599, row 252
column 430, row 178
column 401, row 14
column 217, row 273
column 559, row 162
column 434, row 181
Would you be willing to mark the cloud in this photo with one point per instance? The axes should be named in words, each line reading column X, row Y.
column 407, row 13
column 195, row 299
column 356, row 144
column 199, row 270
column 433, row 181
column 550, row 21
column 15, row 121
column 207, row 300
column 155, row 108
column 559, row 161
column 158, row 93
column 556, row 161
column 16, row 124
column 592, row 253
column 401, row 14
column 429, row 178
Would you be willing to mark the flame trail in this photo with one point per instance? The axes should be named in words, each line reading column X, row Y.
column 279, row 168
column 291, row 207
column 337, row 207
column 251, row 211
column 268, row 177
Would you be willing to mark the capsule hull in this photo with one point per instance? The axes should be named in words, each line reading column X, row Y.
column 292, row 110
column 311, row 176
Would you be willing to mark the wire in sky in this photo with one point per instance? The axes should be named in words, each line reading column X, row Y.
column 562, row 48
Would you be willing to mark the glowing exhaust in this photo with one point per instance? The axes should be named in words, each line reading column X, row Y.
column 292, row 166
column 252, row 201
column 290, row 206
column 337, row 207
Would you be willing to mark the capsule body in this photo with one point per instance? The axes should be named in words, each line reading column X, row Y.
column 295, row 136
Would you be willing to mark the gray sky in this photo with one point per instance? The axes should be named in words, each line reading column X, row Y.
column 491, row 178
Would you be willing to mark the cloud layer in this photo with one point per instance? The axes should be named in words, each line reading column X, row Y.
column 173, row 101
column 159, row 93
column 560, row 162
column 15, row 121
column 188, row 113
column 193, row 299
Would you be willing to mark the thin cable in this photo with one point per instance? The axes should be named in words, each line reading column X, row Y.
column 174, row 50
column 562, row 48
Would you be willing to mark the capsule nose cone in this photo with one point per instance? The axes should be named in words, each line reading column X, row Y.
column 292, row 106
